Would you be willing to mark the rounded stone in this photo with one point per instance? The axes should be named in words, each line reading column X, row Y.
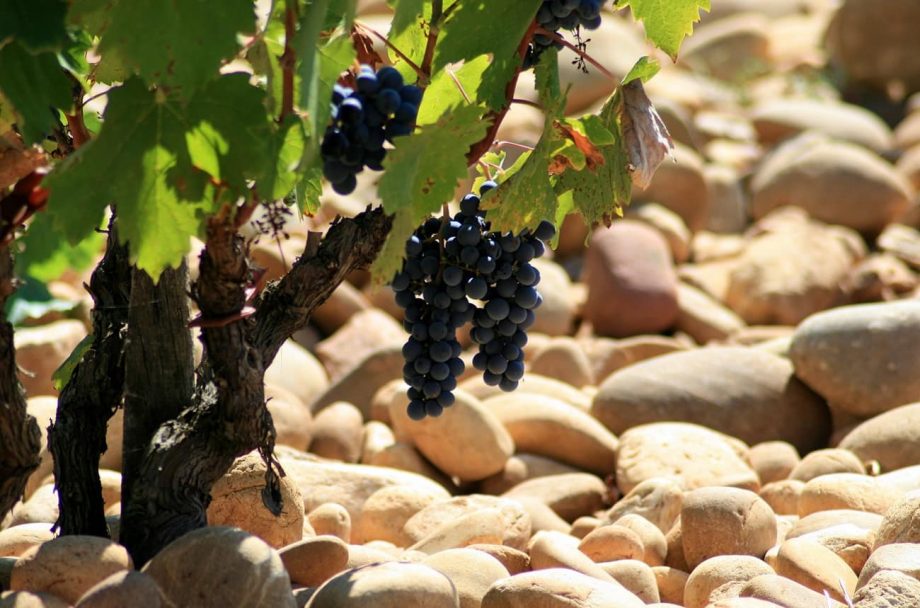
column 564, row 359
column 68, row 566
column 522, row 467
column 815, row 566
column 901, row 522
column 249, row 572
column 706, row 386
column 654, row 543
column 632, row 287
column 30, row 599
column 467, row 441
column 657, row 500
column 612, row 542
column 725, row 521
column 338, row 432
column 298, row 371
column 888, row 588
column 514, row 523
column 558, row 588
column 550, row 427
column 708, row 458
column 125, row 588
column 671, row 583
column 388, row 509
column 331, row 519
column 785, row 592
column 681, row 187
column 773, row 460
column 835, row 182
column 472, row 572
column 570, row 495
column 901, row 557
column 827, row 353
column 313, row 561
column 720, row 570
column 783, row 496
column 636, row 576
column 16, row 540
column 892, row 438
column 514, row 560
column 236, row 500
column 846, row 491
column 825, row 462
column 387, row 585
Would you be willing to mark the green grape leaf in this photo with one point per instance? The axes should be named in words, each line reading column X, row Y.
column 37, row 25
column 62, row 374
column 667, row 22
column 599, row 193
column 408, row 187
column 284, row 149
column 499, row 28
column 309, row 189
column 263, row 55
column 32, row 300
column 341, row 12
column 182, row 44
column 33, row 84
column 447, row 88
column 409, row 34
column 45, row 254
column 151, row 159
column 91, row 15
column 643, row 69
column 490, row 166
column 319, row 73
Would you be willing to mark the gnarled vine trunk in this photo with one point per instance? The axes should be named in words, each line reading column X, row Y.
column 20, row 437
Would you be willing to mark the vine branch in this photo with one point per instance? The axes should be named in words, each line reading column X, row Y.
column 288, row 62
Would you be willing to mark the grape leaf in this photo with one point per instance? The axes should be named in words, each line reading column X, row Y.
column 600, row 193
column 341, row 12
column 182, row 44
column 285, row 149
column 409, row 34
column 62, row 374
column 45, row 254
column 90, row 15
column 667, row 22
column 37, row 25
column 408, row 187
column 643, row 69
column 309, row 189
column 479, row 27
column 444, row 92
column 150, row 160
column 33, row 84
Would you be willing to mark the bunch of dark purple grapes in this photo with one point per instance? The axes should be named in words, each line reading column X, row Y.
column 382, row 107
column 452, row 263
column 555, row 15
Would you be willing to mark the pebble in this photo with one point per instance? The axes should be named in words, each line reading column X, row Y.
column 786, row 593
column 236, row 500
column 783, row 495
column 298, row 371
column 680, row 186
column 313, row 561
column 558, row 588
column 570, row 495
column 704, row 318
column 387, row 585
column 68, row 566
column 827, row 461
column 715, row 572
column 671, row 583
column 901, row 522
column 816, row 567
column 725, row 521
column 888, row 588
column 514, row 560
column 773, row 460
column 331, row 519
column 387, row 510
column 479, row 526
column 850, row 543
column 654, row 543
column 514, row 523
column 892, row 439
column 636, row 576
column 564, row 359
column 543, row 425
column 363, row 333
column 125, row 588
column 41, row 350
column 16, row 540
column 902, row 557
column 612, row 542
column 657, row 500
column 359, row 385
column 632, row 287
column 707, row 458
column 846, row 491
column 472, row 573
column 522, row 467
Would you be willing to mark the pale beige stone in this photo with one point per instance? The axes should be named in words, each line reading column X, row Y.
column 313, row 561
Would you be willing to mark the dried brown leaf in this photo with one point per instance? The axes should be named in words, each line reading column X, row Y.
column 647, row 139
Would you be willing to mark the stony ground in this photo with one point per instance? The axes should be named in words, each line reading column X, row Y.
column 722, row 402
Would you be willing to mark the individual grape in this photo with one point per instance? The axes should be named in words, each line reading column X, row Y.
column 433, row 408
column 476, row 288
column 416, row 410
column 498, row 309
column 555, row 15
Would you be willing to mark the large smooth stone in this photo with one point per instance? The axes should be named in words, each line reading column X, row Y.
column 247, row 574
column 706, row 458
column 558, row 588
column 835, row 182
column 892, row 438
column 632, row 286
column 388, row 585
column 829, row 351
column 742, row 392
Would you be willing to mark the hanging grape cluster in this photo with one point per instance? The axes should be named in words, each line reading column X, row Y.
column 380, row 108
column 555, row 15
column 451, row 263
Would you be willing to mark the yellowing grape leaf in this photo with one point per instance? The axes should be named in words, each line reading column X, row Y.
column 667, row 22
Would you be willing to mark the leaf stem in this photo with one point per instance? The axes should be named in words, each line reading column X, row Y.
column 415, row 68
column 527, row 102
column 288, row 62
column 557, row 38
column 437, row 10
column 457, row 82
column 511, row 144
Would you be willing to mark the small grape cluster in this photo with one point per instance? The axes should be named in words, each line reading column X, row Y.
column 450, row 264
column 380, row 108
column 555, row 15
